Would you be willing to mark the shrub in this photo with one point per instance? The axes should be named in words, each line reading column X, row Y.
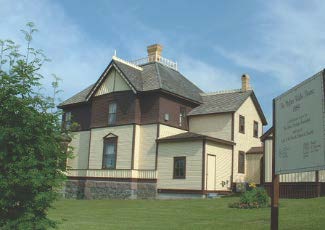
column 255, row 198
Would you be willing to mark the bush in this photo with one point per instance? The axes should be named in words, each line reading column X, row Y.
column 255, row 198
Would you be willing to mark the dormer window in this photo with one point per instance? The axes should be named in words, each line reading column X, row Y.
column 112, row 113
column 241, row 124
column 67, row 120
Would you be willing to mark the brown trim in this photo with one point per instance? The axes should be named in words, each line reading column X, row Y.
column 267, row 134
column 232, row 167
column 233, row 126
column 213, row 139
column 156, row 158
column 203, row 163
column 179, row 158
column 133, row 146
column 113, row 179
column 110, row 140
column 89, row 148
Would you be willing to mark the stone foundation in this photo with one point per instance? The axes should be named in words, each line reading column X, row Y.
column 103, row 189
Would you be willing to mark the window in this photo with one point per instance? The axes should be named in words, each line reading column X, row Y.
column 241, row 162
column 67, row 120
column 255, row 129
column 112, row 113
column 179, row 167
column 241, row 124
column 109, row 155
column 182, row 114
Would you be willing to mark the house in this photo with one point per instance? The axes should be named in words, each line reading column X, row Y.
column 143, row 128
column 292, row 185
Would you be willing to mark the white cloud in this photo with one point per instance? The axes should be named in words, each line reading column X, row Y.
column 208, row 77
column 75, row 59
column 291, row 43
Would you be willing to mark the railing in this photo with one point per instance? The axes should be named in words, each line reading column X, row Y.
column 162, row 60
column 116, row 173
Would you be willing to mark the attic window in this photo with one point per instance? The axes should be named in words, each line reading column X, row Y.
column 112, row 113
column 241, row 124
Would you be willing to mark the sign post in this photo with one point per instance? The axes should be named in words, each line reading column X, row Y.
column 298, row 135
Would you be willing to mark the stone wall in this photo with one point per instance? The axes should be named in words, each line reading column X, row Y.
column 97, row 189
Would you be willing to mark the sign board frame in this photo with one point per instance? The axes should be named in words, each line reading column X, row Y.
column 299, row 127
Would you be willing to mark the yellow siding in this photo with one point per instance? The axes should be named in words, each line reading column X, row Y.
column 124, row 146
column 223, row 155
column 165, row 131
column 214, row 125
column 245, row 141
column 147, row 156
column 253, row 171
column 114, row 82
column 167, row 152
column 80, row 144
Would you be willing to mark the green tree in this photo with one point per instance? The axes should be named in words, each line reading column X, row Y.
column 32, row 153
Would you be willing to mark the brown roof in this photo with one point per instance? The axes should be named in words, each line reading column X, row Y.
column 188, row 136
column 255, row 150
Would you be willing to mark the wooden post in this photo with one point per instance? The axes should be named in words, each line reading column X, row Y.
column 275, row 183
column 317, row 183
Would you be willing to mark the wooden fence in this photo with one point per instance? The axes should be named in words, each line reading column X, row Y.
column 298, row 189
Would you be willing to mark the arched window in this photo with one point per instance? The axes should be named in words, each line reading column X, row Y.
column 110, row 151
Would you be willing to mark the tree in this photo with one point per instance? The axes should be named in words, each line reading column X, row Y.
column 32, row 156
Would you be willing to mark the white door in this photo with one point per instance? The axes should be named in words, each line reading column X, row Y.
column 211, row 173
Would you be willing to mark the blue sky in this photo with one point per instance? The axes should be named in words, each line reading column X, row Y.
column 278, row 43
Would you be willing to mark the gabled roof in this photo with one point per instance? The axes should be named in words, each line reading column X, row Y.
column 77, row 98
column 153, row 76
column 189, row 136
column 225, row 102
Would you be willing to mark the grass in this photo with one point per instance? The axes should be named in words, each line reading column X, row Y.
column 184, row 214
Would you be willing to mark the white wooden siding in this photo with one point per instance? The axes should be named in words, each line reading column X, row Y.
column 223, row 155
column 124, row 146
column 165, row 131
column 114, row 82
column 80, row 144
column 214, row 125
column 193, row 153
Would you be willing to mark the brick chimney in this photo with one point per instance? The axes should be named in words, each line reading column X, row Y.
column 154, row 52
column 245, row 83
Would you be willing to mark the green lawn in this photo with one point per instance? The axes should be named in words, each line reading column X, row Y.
column 184, row 214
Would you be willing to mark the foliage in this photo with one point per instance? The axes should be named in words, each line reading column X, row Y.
column 32, row 156
column 253, row 198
